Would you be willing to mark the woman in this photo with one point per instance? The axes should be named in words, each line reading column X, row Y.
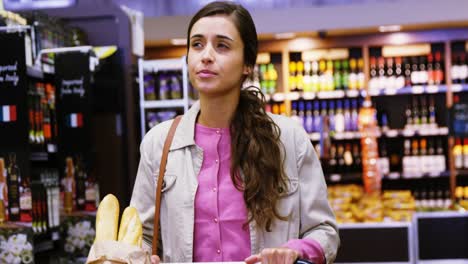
column 240, row 184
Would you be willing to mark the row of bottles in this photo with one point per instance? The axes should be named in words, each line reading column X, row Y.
column 277, row 108
column 432, row 198
column 423, row 156
column 397, row 72
column 266, row 77
column 21, row 200
column 461, row 197
column 326, row 75
column 46, row 201
column 420, row 113
column 42, row 114
column 80, row 190
column 342, row 114
column 342, row 158
column 16, row 201
column 163, row 85
column 459, row 68
column 460, row 153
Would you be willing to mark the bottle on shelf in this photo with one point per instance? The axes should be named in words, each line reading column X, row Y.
column 345, row 75
column 353, row 75
column 458, row 154
column 309, row 120
column 440, row 157
column 69, row 185
column 331, row 115
column 383, row 161
column 407, row 71
column 13, row 189
column 307, row 79
column 423, row 76
column 399, row 74
column 317, row 117
column 438, row 69
column 361, row 79
column 407, row 161
column 357, row 158
column 332, row 161
column 430, row 70
column 381, row 73
column 25, row 200
column 3, row 187
column 80, row 184
column 292, row 76
column 341, row 163
column 315, row 79
column 390, row 82
column 348, row 158
column 337, row 75
column 300, row 76
column 322, row 75
column 465, row 153
column 294, row 112
column 339, row 118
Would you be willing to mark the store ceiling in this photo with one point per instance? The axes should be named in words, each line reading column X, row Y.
column 158, row 8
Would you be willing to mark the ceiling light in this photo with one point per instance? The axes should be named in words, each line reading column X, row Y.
column 179, row 41
column 285, row 35
column 390, row 28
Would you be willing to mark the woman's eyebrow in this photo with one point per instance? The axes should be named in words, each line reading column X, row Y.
column 217, row 36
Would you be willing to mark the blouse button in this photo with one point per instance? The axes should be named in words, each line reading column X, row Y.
column 216, row 220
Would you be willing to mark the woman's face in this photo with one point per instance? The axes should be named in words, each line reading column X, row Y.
column 216, row 56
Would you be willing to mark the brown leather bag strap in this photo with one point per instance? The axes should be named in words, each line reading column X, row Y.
column 162, row 169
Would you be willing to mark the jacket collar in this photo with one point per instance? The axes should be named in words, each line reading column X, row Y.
column 185, row 133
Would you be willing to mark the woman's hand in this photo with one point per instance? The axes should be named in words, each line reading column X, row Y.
column 274, row 256
column 155, row 259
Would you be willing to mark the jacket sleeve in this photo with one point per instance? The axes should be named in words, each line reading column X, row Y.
column 317, row 219
column 144, row 190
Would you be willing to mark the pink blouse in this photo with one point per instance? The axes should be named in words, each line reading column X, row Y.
column 220, row 211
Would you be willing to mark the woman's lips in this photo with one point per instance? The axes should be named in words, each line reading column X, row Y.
column 206, row 74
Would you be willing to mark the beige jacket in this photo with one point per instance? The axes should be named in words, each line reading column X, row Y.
column 306, row 200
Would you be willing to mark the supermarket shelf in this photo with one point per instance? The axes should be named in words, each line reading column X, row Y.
column 456, row 88
column 415, row 89
column 279, row 97
column 394, row 176
column 346, row 177
column 462, row 172
column 337, row 136
column 338, row 94
column 163, row 103
column 373, row 225
column 410, row 132
column 390, row 133
column 162, row 65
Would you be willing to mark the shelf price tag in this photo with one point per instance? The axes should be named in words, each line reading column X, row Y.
column 417, row 89
column 432, row 89
column 457, row 88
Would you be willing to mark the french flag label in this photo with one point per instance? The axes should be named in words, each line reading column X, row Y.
column 75, row 120
column 7, row 113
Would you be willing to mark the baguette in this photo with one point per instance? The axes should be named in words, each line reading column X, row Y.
column 131, row 230
column 107, row 219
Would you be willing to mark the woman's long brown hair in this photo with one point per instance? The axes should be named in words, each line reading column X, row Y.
column 255, row 138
